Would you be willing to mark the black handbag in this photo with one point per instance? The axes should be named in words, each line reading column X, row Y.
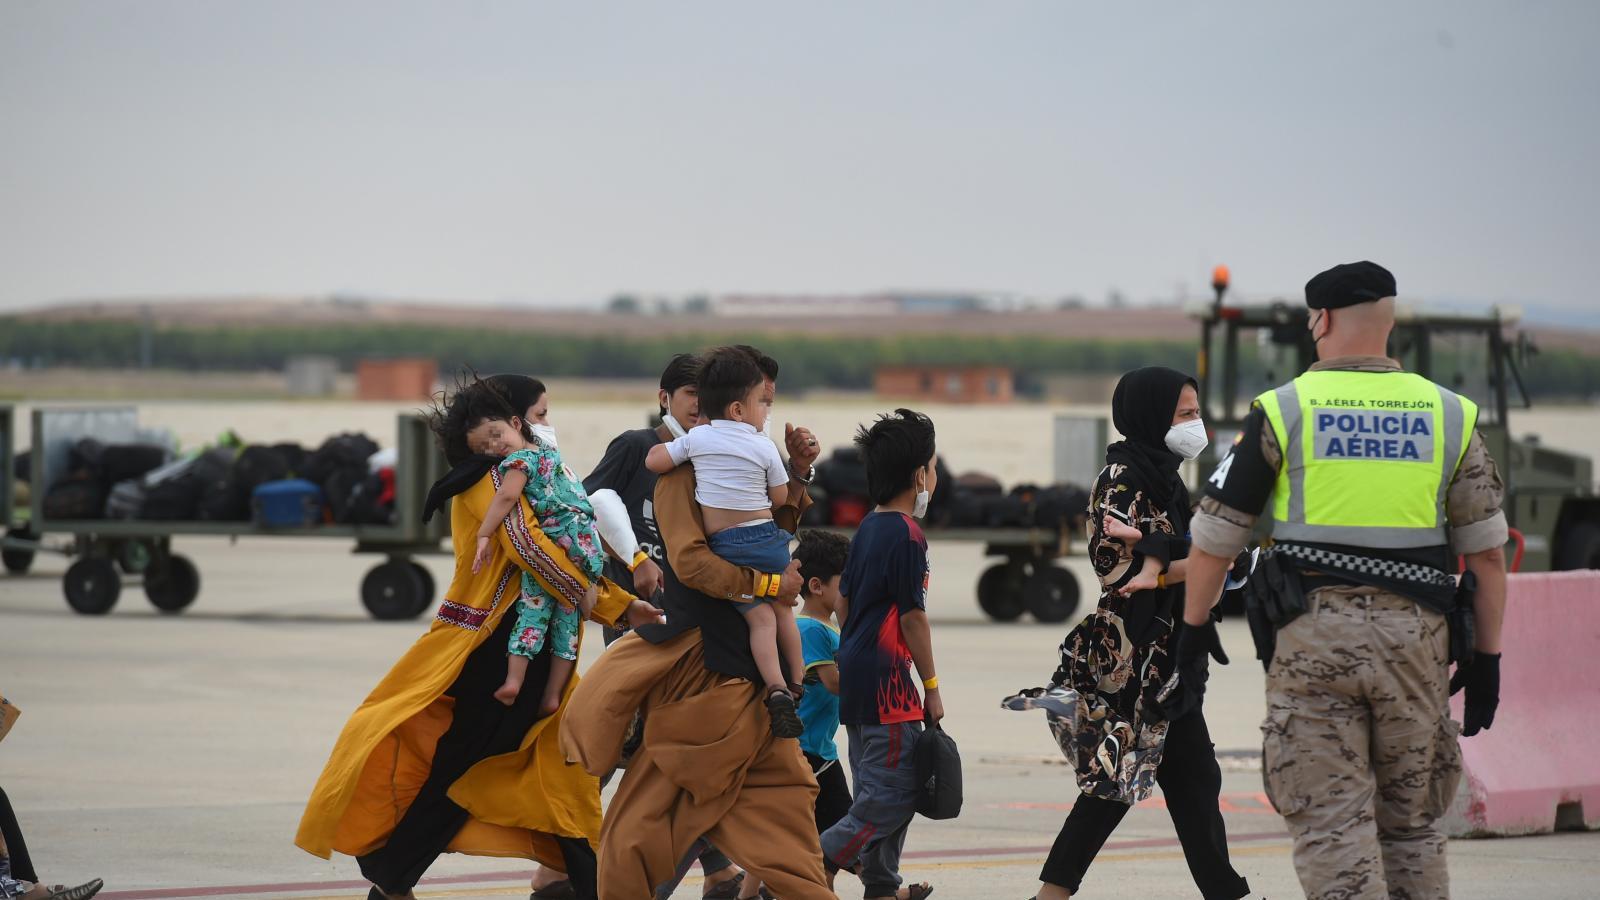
column 938, row 774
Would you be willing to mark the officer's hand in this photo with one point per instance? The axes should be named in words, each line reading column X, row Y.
column 1189, row 661
column 1216, row 649
column 1481, row 678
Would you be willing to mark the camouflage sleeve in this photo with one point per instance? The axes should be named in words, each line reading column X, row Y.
column 1220, row 530
column 1473, row 504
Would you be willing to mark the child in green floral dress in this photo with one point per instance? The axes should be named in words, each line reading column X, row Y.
column 532, row 468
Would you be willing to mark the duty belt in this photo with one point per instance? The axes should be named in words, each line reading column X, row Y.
column 1386, row 569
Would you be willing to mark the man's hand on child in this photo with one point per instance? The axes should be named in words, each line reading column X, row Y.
column 1118, row 530
column 481, row 558
column 789, row 585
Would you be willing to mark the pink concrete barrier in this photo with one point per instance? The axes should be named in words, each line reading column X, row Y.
column 1538, row 768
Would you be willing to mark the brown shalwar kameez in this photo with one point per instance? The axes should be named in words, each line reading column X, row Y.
column 708, row 765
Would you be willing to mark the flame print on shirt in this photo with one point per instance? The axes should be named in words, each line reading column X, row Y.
column 898, row 700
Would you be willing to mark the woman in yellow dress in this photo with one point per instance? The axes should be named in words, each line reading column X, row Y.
column 431, row 762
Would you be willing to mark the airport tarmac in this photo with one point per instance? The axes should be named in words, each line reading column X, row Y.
column 171, row 755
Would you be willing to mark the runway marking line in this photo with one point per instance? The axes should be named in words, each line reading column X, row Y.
column 1113, row 851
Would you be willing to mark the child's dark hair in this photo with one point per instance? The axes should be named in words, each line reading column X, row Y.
column 822, row 555
column 893, row 449
column 474, row 401
column 728, row 374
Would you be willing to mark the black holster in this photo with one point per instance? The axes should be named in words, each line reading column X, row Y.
column 1463, row 619
column 1273, row 597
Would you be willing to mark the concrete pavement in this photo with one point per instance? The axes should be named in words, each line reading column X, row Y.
column 171, row 755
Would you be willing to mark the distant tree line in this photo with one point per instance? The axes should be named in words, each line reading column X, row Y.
column 809, row 361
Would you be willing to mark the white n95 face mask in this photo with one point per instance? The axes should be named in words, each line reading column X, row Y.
column 921, row 509
column 546, row 435
column 673, row 428
column 1188, row 440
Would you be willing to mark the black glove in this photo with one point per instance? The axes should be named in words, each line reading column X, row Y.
column 1481, row 678
column 1191, row 645
column 1215, row 648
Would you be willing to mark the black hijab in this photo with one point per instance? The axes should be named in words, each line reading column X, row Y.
column 466, row 473
column 1142, row 408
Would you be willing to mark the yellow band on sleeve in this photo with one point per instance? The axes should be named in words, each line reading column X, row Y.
column 638, row 558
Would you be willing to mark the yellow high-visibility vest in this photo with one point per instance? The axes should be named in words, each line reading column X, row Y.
column 1367, row 457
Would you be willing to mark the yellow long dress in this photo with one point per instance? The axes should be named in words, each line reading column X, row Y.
column 517, row 800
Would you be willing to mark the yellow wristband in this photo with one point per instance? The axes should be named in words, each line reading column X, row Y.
column 763, row 584
column 1161, row 580
column 931, row 684
column 638, row 558
column 776, row 584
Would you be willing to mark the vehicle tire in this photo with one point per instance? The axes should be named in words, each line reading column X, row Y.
column 173, row 586
column 92, row 586
column 18, row 561
column 428, row 586
column 1000, row 592
column 393, row 591
column 1580, row 547
column 1051, row 594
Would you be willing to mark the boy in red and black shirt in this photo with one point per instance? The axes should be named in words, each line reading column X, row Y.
column 885, row 630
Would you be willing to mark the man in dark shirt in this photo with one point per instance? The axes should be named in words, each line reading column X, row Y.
column 885, row 631
column 622, row 470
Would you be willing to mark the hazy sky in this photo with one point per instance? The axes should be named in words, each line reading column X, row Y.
column 563, row 152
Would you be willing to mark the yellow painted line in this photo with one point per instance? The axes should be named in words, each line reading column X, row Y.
column 1032, row 861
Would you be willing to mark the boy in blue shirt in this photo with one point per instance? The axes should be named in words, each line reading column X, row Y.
column 822, row 557
column 884, row 590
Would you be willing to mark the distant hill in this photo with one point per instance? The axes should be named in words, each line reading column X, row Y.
column 1082, row 324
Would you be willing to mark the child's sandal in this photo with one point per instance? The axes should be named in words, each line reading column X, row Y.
column 785, row 716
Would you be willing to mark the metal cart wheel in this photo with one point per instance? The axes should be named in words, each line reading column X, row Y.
column 393, row 591
column 92, row 586
column 428, row 587
column 1051, row 594
column 1000, row 591
column 20, row 559
column 172, row 585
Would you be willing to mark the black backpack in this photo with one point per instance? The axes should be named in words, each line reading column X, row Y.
column 938, row 774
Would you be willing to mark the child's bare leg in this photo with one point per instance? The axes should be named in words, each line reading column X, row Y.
column 789, row 641
column 516, row 670
column 763, row 622
column 560, row 674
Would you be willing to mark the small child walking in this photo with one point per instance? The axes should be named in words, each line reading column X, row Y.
column 533, row 469
column 739, row 477
column 822, row 556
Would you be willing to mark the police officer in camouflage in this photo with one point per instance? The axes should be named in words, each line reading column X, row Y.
column 1375, row 480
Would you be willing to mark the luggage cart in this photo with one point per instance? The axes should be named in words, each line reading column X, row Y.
column 106, row 549
column 1027, row 581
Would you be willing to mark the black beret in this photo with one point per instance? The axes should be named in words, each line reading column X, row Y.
column 1349, row 284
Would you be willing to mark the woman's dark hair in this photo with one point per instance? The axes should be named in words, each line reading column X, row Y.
column 893, row 449
column 522, row 391
column 728, row 374
column 822, row 554
column 682, row 371
column 474, row 401
column 767, row 365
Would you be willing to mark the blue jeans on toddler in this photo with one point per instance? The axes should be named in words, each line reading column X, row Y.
column 763, row 547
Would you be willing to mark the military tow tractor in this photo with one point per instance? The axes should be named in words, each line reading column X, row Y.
column 1550, row 497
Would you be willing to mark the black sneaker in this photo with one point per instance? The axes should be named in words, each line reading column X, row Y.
column 785, row 717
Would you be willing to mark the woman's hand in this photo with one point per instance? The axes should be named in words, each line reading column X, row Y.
column 481, row 558
column 1118, row 530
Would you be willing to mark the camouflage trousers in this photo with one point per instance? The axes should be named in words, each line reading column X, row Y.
column 1359, row 754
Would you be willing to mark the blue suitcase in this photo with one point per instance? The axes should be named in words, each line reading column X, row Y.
column 290, row 503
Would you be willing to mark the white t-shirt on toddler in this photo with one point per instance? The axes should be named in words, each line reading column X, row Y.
column 734, row 465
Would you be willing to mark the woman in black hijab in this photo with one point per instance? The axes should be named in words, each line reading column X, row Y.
column 1136, row 725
